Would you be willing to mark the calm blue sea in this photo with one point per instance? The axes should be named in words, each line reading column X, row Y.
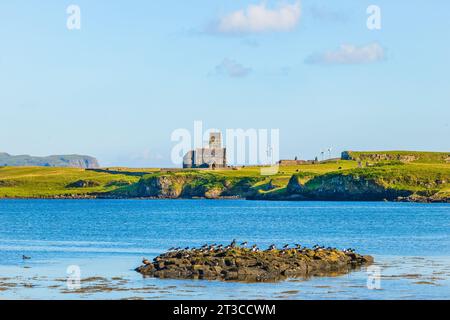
column 108, row 238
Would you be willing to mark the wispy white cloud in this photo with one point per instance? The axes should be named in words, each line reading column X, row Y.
column 349, row 54
column 233, row 69
column 257, row 18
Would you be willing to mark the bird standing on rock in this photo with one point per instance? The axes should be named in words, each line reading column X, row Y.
column 244, row 244
column 146, row 262
column 233, row 243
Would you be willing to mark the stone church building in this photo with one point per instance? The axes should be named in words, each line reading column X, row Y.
column 214, row 156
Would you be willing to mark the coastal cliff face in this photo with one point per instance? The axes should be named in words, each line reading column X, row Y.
column 373, row 184
column 346, row 188
column 62, row 161
column 194, row 185
column 391, row 183
column 402, row 156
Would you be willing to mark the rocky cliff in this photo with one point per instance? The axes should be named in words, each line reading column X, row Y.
column 401, row 156
column 376, row 183
column 193, row 185
column 73, row 161
column 345, row 188
column 373, row 184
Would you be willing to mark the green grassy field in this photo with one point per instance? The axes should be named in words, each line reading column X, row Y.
column 428, row 173
column 35, row 182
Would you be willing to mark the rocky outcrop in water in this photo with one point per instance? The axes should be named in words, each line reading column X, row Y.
column 241, row 264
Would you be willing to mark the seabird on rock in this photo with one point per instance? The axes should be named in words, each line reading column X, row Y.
column 243, row 244
column 286, row 246
column 146, row 262
column 233, row 243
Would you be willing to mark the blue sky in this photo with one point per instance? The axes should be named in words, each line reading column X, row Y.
column 137, row 70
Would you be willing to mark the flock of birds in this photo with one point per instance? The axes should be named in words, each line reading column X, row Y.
column 219, row 248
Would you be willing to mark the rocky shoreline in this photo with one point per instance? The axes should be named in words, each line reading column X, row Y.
column 238, row 263
column 293, row 197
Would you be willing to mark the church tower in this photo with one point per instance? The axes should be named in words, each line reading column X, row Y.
column 213, row 156
column 215, row 140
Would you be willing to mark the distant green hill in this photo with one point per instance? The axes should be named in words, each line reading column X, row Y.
column 72, row 161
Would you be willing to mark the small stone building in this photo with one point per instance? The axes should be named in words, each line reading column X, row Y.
column 214, row 156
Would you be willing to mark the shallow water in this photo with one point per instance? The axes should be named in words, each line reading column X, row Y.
column 108, row 238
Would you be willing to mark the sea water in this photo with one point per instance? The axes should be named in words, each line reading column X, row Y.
column 106, row 239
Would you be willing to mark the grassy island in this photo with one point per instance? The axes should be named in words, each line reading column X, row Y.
column 374, row 176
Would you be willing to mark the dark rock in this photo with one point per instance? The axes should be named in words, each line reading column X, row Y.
column 240, row 264
column 83, row 184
